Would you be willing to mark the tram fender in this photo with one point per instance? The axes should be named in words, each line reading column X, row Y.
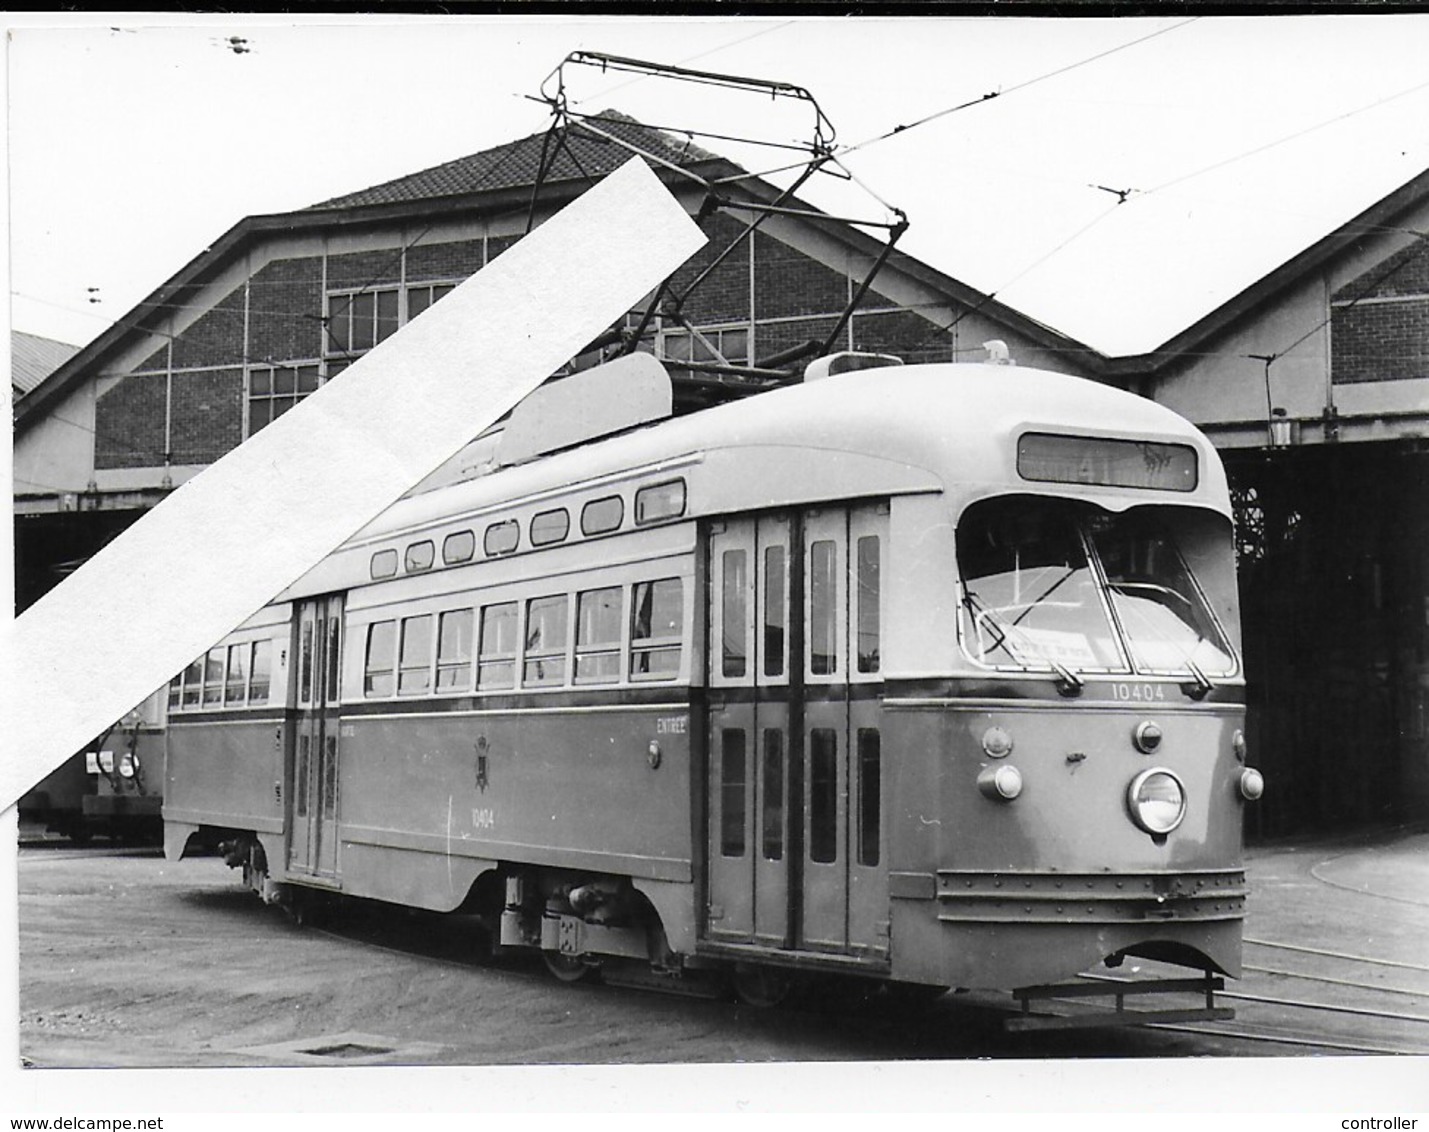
column 674, row 903
column 177, row 838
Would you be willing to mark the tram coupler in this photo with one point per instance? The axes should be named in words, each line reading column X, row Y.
column 1120, row 989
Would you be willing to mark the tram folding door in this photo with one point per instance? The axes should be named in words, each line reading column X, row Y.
column 313, row 791
column 796, row 793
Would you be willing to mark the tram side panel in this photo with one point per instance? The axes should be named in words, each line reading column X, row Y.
column 227, row 737
column 560, row 759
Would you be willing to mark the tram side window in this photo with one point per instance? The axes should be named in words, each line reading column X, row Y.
column 823, row 608
column 237, row 688
column 377, row 672
column 657, row 612
column 213, row 678
column 383, row 565
column 260, row 672
column 414, row 673
column 870, row 799
column 193, row 683
column 823, row 796
column 419, row 556
column 598, row 618
column 773, row 794
column 775, row 614
column 454, row 651
column 659, row 501
column 550, row 527
column 867, row 617
column 733, row 603
column 732, row 780
column 458, row 547
column 496, row 658
column 547, row 634
column 305, row 665
column 600, row 516
column 501, row 538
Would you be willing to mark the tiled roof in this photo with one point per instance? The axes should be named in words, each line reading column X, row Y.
column 32, row 359
column 514, row 165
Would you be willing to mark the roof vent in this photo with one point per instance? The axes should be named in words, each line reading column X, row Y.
column 596, row 402
column 998, row 353
column 847, row 362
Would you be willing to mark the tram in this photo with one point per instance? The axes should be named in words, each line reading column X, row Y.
column 927, row 674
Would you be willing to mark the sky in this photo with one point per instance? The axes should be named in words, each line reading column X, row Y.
column 131, row 147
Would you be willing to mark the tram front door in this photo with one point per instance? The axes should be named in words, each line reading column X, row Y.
column 313, row 767
column 795, row 810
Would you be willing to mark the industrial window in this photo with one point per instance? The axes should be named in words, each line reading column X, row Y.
column 547, row 635
column 823, row 796
column 773, row 773
column 419, row 556
column 273, row 390
column 357, row 321
column 550, row 527
column 730, row 345
column 384, row 564
column 193, row 683
column 414, row 672
column 731, row 792
column 823, row 608
column 176, row 691
column 458, row 547
column 867, row 619
column 236, row 690
column 602, row 515
column 260, row 672
column 660, row 501
column 598, row 618
column 657, row 612
column 775, row 612
column 733, row 606
column 377, row 672
column 423, row 295
column 213, row 678
column 454, row 651
column 870, row 799
column 496, row 660
column 501, row 538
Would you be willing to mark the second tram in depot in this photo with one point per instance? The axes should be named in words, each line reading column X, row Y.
column 927, row 674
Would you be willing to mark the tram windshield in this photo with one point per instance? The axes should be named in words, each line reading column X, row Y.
column 1062, row 585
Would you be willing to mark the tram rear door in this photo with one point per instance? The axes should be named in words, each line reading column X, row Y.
column 795, row 811
column 313, row 768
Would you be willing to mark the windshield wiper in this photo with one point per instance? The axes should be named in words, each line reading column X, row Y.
column 1069, row 683
column 1203, row 682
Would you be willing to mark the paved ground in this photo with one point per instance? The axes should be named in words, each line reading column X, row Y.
column 128, row 960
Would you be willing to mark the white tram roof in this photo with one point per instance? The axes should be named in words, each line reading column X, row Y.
column 871, row 433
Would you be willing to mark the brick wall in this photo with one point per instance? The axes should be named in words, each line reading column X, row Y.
column 453, row 260
column 911, row 336
column 786, row 282
column 364, row 269
column 207, row 415
column 1385, row 335
column 286, row 308
column 214, row 339
column 129, row 423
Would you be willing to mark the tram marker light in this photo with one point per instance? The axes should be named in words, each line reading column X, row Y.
column 1252, row 784
column 1147, row 737
column 997, row 742
column 1000, row 783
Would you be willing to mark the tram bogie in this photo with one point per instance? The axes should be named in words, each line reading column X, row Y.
column 927, row 675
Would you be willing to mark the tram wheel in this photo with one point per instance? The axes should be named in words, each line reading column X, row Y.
column 567, row 968
column 760, row 986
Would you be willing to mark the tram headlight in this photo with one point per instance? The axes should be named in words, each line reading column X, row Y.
column 1156, row 801
column 128, row 765
column 1252, row 784
column 1000, row 783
